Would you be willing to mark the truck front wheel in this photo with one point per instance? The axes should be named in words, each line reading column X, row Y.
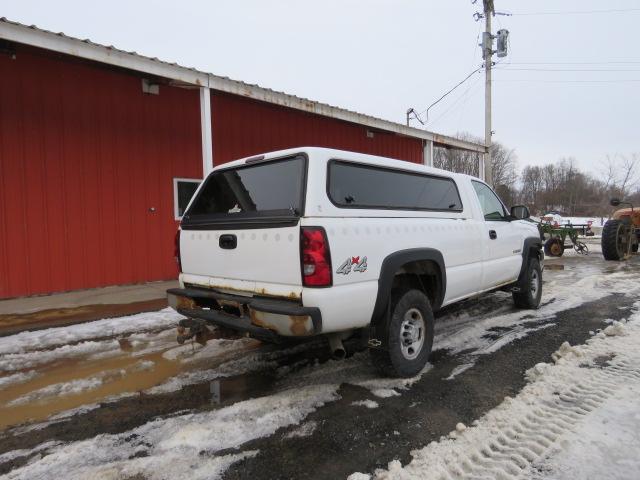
column 408, row 333
column 529, row 290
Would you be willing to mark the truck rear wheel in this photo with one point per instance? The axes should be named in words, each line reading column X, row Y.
column 408, row 333
column 529, row 291
column 613, row 240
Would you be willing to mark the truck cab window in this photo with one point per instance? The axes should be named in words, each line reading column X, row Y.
column 492, row 207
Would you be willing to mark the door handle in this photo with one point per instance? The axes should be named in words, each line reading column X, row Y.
column 492, row 234
column 228, row 242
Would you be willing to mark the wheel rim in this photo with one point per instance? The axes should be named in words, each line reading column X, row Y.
column 534, row 283
column 412, row 334
column 556, row 249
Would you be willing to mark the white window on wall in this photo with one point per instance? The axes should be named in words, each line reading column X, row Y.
column 183, row 190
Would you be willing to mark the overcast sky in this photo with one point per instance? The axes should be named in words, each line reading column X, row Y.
column 381, row 57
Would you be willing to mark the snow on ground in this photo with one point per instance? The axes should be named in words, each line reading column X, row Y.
column 356, row 370
column 474, row 332
column 605, row 445
column 17, row 378
column 29, row 359
column 595, row 221
column 475, row 336
column 90, row 341
column 80, row 385
column 577, row 418
column 189, row 352
column 304, row 430
column 73, row 387
column 300, row 389
column 365, row 403
column 52, row 337
column 180, row 446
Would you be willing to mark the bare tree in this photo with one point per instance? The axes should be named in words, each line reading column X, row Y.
column 621, row 174
column 608, row 171
column 459, row 161
column 628, row 173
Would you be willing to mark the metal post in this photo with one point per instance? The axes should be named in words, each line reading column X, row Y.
column 488, row 54
column 205, row 131
column 427, row 154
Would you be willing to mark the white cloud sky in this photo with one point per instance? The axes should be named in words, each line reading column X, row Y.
column 381, row 57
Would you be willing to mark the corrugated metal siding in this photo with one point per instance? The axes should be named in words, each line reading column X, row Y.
column 84, row 154
column 243, row 127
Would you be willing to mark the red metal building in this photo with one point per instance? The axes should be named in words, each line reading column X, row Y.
column 99, row 149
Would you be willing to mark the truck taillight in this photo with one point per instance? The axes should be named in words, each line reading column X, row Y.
column 176, row 250
column 315, row 257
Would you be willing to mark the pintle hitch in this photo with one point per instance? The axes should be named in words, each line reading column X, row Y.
column 189, row 328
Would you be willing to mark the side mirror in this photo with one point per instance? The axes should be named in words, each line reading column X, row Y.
column 520, row 212
column 615, row 202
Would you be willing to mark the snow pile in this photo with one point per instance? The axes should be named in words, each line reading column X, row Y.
column 180, row 446
column 616, row 328
column 565, row 351
column 537, row 371
column 534, row 431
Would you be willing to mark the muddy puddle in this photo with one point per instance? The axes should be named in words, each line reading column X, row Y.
column 69, row 383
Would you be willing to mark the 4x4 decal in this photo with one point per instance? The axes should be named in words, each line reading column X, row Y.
column 356, row 264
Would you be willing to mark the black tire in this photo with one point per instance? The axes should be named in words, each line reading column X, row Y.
column 554, row 247
column 612, row 240
column 408, row 306
column 634, row 248
column 527, row 296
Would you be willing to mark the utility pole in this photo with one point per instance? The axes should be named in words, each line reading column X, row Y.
column 487, row 45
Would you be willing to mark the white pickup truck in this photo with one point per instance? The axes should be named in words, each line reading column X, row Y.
column 314, row 241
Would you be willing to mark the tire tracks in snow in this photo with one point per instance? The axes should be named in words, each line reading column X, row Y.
column 509, row 441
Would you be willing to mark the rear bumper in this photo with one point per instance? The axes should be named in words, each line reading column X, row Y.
column 263, row 318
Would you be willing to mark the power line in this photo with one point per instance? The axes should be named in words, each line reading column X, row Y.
column 578, row 12
column 451, row 90
column 456, row 103
column 534, row 80
column 577, row 63
column 418, row 115
column 518, row 69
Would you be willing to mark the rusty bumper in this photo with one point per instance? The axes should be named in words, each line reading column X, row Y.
column 267, row 319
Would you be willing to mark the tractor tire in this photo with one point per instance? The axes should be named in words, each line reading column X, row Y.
column 612, row 240
column 554, row 247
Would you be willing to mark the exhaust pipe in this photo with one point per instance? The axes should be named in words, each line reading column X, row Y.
column 338, row 351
